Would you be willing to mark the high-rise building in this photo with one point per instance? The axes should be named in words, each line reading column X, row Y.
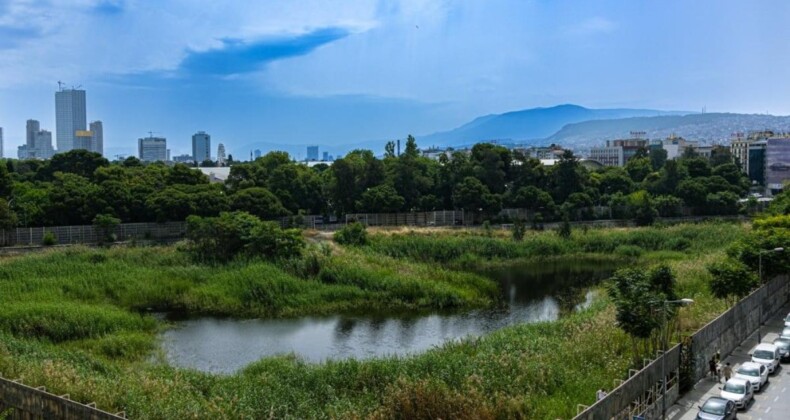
column 201, row 146
column 152, row 149
column 221, row 160
column 21, row 152
column 32, row 127
column 70, row 116
column 82, row 140
column 38, row 142
column 97, row 140
column 325, row 157
column 257, row 153
column 312, row 153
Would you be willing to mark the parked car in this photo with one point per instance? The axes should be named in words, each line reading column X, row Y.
column 784, row 348
column 767, row 354
column 739, row 391
column 785, row 332
column 717, row 408
column 755, row 373
column 787, row 320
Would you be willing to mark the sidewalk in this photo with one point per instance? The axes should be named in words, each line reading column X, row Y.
column 765, row 401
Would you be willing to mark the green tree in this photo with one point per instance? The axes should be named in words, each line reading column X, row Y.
column 258, row 202
column 731, row 280
column 519, row 229
column 643, row 209
column 105, row 225
column 567, row 177
column 658, row 157
column 77, row 162
column 8, row 219
column 353, row 234
column 472, row 195
column 380, row 199
column 638, row 168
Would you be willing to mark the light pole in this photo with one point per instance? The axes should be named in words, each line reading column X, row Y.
column 760, row 271
column 681, row 302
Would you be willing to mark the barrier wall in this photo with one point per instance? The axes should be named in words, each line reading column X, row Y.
column 21, row 402
column 723, row 334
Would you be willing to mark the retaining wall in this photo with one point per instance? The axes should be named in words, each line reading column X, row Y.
column 723, row 334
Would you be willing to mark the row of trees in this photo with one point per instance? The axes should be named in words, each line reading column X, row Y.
column 74, row 187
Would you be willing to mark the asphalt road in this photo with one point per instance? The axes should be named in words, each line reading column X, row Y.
column 771, row 403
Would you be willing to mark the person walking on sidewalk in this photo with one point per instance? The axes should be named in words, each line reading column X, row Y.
column 727, row 372
column 712, row 367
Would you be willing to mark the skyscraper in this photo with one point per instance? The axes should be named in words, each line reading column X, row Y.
column 257, row 153
column 97, row 140
column 201, row 147
column 70, row 116
column 38, row 142
column 312, row 153
column 152, row 149
column 221, row 155
column 82, row 140
column 32, row 127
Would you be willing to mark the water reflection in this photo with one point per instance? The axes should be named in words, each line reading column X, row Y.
column 530, row 294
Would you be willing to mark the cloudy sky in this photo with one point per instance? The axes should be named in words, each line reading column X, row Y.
column 341, row 72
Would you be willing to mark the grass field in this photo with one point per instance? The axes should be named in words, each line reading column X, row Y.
column 74, row 320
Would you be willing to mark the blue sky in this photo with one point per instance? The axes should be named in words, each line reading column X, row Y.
column 346, row 72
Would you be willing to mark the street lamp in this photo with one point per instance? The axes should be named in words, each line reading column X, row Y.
column 679, row 302
column 760, row 271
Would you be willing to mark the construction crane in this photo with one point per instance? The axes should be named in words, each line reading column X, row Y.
column 60, row 85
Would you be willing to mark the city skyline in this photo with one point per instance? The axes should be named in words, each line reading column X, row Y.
column 360, row 71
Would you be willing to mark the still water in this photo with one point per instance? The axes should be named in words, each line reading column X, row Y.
column 530, row 293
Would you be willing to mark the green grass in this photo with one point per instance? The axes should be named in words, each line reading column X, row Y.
column 70, row 320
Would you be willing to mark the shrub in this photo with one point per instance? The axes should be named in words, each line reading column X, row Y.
column 105, row 224
column 631, row 251
column 518, row 230
column 223, row 238
column 49, row 239
column 353, row 234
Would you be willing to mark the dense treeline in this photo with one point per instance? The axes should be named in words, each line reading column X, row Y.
column 74, row 187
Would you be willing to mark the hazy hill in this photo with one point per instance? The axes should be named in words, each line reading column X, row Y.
column 709, row 128
column 529, row 124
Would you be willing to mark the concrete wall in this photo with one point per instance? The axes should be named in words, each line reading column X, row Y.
column 723, row 334
column 21, row 402
column 727, row 331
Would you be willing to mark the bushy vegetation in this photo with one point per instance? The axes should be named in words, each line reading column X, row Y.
column 73, row 188
column 71, row 321
column 223, row 238
column 353, row 234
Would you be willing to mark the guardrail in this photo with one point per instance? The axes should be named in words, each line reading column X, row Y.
column 22, row 402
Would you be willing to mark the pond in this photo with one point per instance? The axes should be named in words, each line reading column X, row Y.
column 530, row 293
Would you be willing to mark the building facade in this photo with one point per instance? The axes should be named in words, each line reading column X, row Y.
column 221, row 159
column 777, row 162
column 152, row 149
column 201, row 147
column 82, row 140
column 97, row 138
column 258, row 153
column 38, row 142
column 608, row 156
column 312, row 153
column 756, row 161
column 70, row 117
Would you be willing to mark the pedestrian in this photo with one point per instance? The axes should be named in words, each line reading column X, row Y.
column 600, row 394
column 727, row 372
column 712, row 367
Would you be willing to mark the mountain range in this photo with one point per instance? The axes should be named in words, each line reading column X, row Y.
column 568, row 125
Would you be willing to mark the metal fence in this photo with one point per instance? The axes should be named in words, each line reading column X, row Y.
column 21, row 402
column 637, row 394
column 90, row 234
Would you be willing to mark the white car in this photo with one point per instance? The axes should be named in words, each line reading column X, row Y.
column 785, row 332
column 787, row 320
column 755, row 373
column 739, row 391
column 767, row 354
